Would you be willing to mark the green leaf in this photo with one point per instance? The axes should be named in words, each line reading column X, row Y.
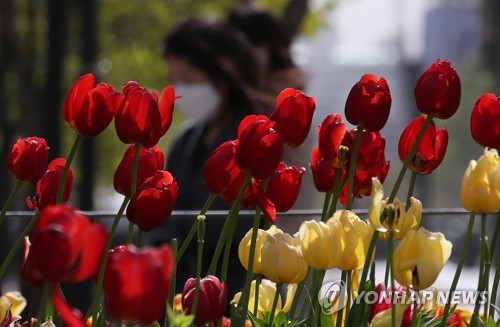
column 256, row 322
column 179, row 319
column 326, row 319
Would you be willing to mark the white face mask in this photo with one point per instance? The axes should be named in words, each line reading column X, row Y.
column 199, row 101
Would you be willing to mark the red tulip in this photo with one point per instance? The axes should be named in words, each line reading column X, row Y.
column 65, row 247
column 485, row 121
column 27, row 159
column 89, row 109
column 369, row 103
column 323, row 172
column 136, row 283
column 212, row 299
column 293, row 115
column 70, row 316
column 153, row 202
column 140, row 118
column 331, row 134
column 371, row 149
column 431, row 149
column 438, row 90
column 284, row 186
column 48, row 185
column 150, row 160
column 260, row 146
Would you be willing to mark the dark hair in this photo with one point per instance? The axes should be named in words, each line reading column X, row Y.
column 262, row 29
column 221, row 52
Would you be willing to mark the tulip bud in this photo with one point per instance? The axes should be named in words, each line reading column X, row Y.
column 244, row 248
column 481, row 184
column 150, row 160
column 47, row 187
column 27, row 159
column 419, row 258
column 431, row 148
column 323, row 172
column 293, row 115
column 267, row 292
column 371, row 149
column 399, row 221
column 317, row 244
column 484, row 121
column 369, row 103
column 354, row 235
column 282, row 262
column 153, row 202
column 212, row 300
column 260, row 146
column 88, row 109
column 438, row 90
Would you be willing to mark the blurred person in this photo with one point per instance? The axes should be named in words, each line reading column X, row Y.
column 213, row 69
column 277, row 71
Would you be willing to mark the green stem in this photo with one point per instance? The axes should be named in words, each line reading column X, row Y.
column 415, row 309
column 100, row 279
column 494, row 290
column 326, row 205
column 171, row 292
column 194, row 228
column 60, row 189
column 395, row 189
column 296, row 297
column 411, row 189
column 230, row 222
column 461, row 261
column 10, row 199
column 275, row 304
column 482, row 266
column 494, row 239
column 18, row 243
column 43, row 303
column 258, row 280
column 352, row 168
column 246, row 290
column 201, row 240
column 340, row 312
column 133, row 188
column 315, row 288
column 390, row 258
column 336, row 192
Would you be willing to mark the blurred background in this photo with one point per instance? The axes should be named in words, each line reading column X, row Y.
column 46, row 45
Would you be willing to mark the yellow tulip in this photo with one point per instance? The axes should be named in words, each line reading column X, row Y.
column 400, row 222
column 244, row 248
column 354, row 235
column 282, row 261
column 318, row 245
column 384, row 318
column 481, row 184
column 267, row 292
column 419, row 258
column 13, row 301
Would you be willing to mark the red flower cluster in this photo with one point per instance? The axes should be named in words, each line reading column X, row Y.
column 27, row 159
column 258, row 151
column 334, row 152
